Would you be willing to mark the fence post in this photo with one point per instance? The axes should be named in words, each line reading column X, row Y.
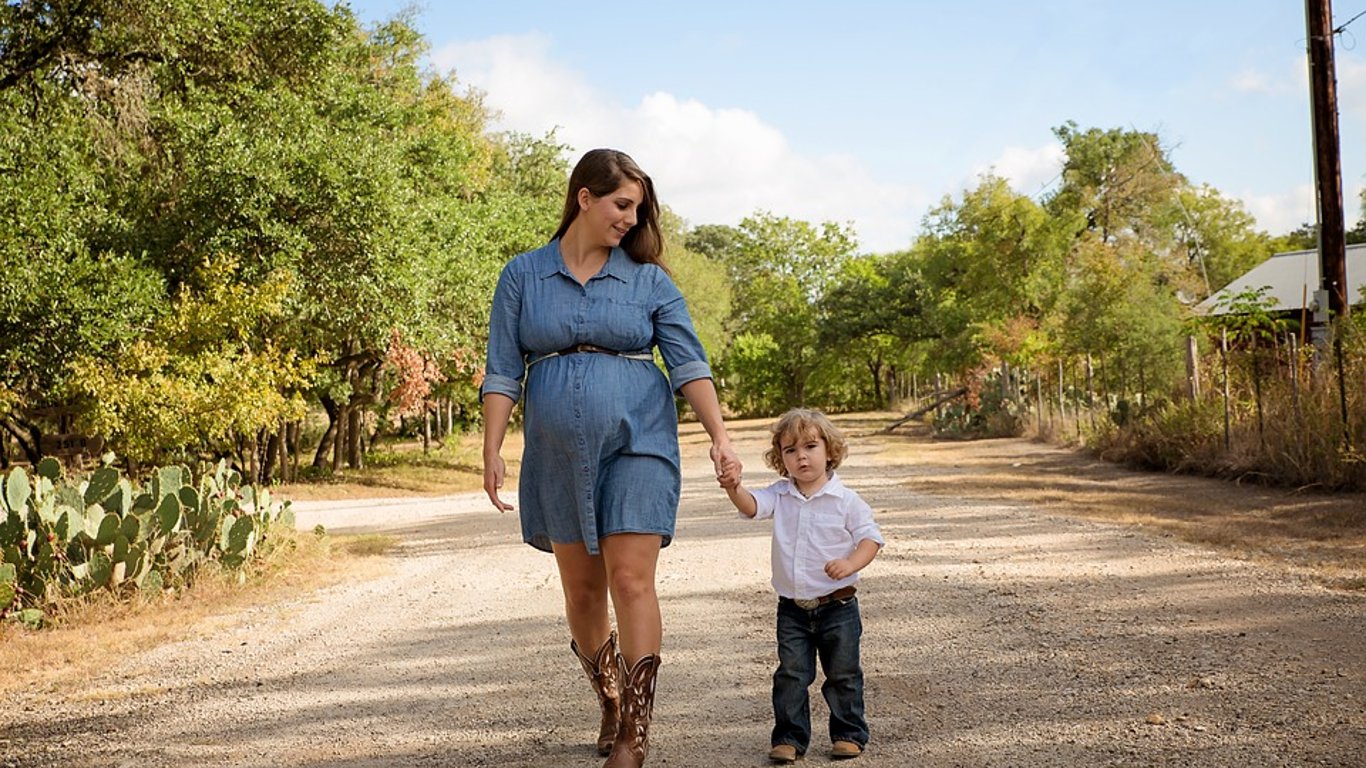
column 1062, row 408
column 1090, row 393
column 1295, row 375
column 1038, row 399
column 938, row 388
column 1223, row 355
column 1192, row 368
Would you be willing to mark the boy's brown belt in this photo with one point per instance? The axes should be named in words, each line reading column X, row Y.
column 843, row 593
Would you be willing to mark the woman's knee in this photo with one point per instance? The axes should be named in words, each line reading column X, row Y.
column 630, row 585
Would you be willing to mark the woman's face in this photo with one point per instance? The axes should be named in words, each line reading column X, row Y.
column 611, row 216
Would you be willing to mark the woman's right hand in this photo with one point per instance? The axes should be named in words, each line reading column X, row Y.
column 494, row 473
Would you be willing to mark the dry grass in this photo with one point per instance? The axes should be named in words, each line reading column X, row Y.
column 85, row 634
column 1320, row 534
column 402, row 470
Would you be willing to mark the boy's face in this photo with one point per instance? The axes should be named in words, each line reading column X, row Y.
column 804, row 459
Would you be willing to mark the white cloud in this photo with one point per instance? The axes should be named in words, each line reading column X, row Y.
column 1289, row 77
column 1251, row 81
column 1029, row 171
column 1351, row 85
column 1279, row 213
column 710, row 165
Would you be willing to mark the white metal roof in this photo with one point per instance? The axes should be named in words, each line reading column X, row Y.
column 1292, row 276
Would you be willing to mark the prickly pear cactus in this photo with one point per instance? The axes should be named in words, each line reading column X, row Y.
column 64, row 535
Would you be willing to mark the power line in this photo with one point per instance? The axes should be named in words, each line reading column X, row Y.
column 1338, row 30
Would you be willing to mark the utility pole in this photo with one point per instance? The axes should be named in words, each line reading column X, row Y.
column 1327, row 161
column 1318, row 19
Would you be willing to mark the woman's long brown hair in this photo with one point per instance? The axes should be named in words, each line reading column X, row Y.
column 602, row 172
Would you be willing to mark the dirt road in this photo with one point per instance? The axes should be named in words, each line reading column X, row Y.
column 996, row 634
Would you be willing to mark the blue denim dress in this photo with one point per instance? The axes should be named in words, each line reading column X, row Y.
column 601, row 431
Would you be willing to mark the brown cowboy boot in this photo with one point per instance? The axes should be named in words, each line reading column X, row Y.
column 603, row 674
column 637, row 706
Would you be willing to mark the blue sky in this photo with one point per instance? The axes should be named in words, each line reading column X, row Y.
column 871, row 112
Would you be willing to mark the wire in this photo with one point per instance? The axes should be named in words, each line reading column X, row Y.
column 1338, row 30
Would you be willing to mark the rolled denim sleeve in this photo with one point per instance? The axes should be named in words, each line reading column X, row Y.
column 505, row 364
column 684, row 357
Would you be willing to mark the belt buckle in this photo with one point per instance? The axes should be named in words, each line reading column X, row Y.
column 808, row 605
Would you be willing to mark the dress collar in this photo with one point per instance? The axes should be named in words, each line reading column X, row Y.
column 619, row 264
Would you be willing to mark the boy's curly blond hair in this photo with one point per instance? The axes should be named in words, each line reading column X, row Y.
column 801, row 422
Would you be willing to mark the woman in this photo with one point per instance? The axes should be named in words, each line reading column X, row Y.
column 571, row 335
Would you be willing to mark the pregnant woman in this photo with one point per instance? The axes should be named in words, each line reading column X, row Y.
column 571, row 336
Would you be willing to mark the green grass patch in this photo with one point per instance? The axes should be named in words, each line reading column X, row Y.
column 366, row 544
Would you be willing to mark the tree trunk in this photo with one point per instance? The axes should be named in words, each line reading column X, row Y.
column 353, row 435
column 339, row 439
column 426, row 429
column 274, row 458
column 875, row 368
column 292, row 443
column 29, row 446
column 329, row 436
column 921, row 411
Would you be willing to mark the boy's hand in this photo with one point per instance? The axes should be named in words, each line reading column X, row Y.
column 839, row 569
column 730, row 474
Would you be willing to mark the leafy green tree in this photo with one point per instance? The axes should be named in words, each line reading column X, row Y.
column 703, row 282
column 780, row 269
column 867, row 316
column 1357, row 234
column 1118, row 183
column 204, row 376
column 988, row 261
column 162, row 158
column 1219, row 237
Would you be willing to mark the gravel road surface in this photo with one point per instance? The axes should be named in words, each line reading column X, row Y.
column 995, row 635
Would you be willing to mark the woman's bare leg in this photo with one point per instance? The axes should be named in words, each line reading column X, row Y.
column 583, row 577
column 630, row 560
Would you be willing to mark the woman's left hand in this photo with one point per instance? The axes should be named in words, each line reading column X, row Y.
column 725, row 460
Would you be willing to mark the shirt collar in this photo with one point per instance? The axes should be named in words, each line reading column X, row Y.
column 618, row 265
column 832, row 487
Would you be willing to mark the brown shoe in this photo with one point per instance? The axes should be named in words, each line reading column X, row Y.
column 844, row 750
column 637, row 707
column 603, row 673
column 783, row 753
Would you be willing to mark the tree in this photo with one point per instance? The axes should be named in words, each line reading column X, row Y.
column 1357, row 234
column 703, row 282
column 1218, row 237
column 1119, row 183
column 164, row 162
column 780, row 269
column 989, row 261
column 867, row 316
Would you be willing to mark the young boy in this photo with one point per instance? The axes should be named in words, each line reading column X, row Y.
column 823, row 535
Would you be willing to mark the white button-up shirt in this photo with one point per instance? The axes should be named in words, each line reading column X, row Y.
column 808, row 533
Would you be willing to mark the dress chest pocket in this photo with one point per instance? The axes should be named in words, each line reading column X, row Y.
column 621, row 324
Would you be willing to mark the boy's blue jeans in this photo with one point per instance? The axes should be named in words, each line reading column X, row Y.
column 830, row 632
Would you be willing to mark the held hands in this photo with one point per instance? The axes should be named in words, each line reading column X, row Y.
column 494, row 473
column 727, row 465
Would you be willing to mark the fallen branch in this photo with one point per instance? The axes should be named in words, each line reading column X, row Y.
column 917, row 413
